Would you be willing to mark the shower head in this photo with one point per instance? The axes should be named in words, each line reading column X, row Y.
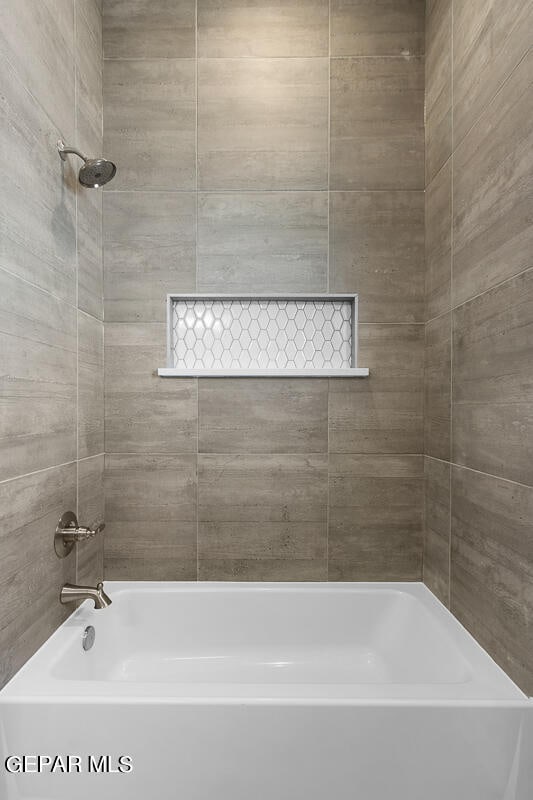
column 94, row 172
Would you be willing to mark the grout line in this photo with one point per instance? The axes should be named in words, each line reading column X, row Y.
column 76, row 205
column 450, row 510
column 197, row 479
column 424, row 290
column 450, row 538
column 328, row 283
column 36, row 286
column 40, row 340
column 328, row 264
column 314, row 57
column 438, row 172
column 490, row 288
column 237, row 190
column 485, row 108
column 379, row 191
column 424, row 485
column 475, row 296
column 161, row 322
column 303, row 453
column 104, row 421
column 102, row 300
column 424, row 493
column 94, row 455
column 438, row 316
column 381, row 57
column 481, row 472
column 352, row 454
column 197, row 190
column 328, row 478
column 104, row 408
column 89, row 315
column 147, row 58
column 197, row 382
column 39, row 471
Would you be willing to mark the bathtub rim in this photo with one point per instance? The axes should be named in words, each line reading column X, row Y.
column 28, row 685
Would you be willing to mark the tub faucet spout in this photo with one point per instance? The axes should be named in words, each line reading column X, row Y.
column 71, row 594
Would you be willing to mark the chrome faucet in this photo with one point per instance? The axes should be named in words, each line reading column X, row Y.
column 71, row 594
column 69, row 533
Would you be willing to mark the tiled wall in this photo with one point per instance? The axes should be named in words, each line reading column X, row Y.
column 479, row 334
column 264, row 148
column 51, row 330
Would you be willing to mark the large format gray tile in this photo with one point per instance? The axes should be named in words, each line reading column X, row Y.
column 261, row 415
column 244, row 28
column 439, row 242
column 35, row 187
column 262, row 517
column 377, row 250
column 92, row 11
column 493, row 191
column 30, row 627
column 38, row 40
column 151, row 517
column 276, row 568
column 150, row 243
column 38, row 380
column 382, row 413
column 492, row 567
column 375, row 517
column 32, row 575
column 149, row 28
column 145, row 413
column 89, row 78
column 493, row 381
column 437, row 528
column 377, row 124
column 90, row 386
column 90, row 256
column 489, row 39
column 150, row 123
column 367, row 28
column 263, row 242
column 437, row 388
column 263, row 123
column 91, row 510
column 438, row 85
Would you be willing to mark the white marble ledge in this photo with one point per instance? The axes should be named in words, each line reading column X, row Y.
column 351, row 372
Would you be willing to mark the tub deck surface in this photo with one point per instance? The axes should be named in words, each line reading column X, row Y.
column 266, row 641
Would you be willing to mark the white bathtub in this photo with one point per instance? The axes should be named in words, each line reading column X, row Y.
column 263, row 692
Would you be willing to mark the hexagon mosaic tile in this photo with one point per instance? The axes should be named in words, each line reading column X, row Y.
column 261, row 334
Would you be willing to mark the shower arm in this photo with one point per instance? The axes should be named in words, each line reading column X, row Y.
column 64, row 150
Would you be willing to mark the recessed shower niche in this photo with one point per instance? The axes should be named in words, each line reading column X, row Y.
column 253, row 335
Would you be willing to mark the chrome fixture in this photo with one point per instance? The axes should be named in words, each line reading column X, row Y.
column 94, row 172
column 68, row 533
column 71, row 594
column 89, row 635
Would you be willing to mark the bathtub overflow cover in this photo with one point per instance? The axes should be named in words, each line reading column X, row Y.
column 89, row 635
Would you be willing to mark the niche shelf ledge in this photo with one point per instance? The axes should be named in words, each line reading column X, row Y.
column 172, row 372
column 262, row 336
